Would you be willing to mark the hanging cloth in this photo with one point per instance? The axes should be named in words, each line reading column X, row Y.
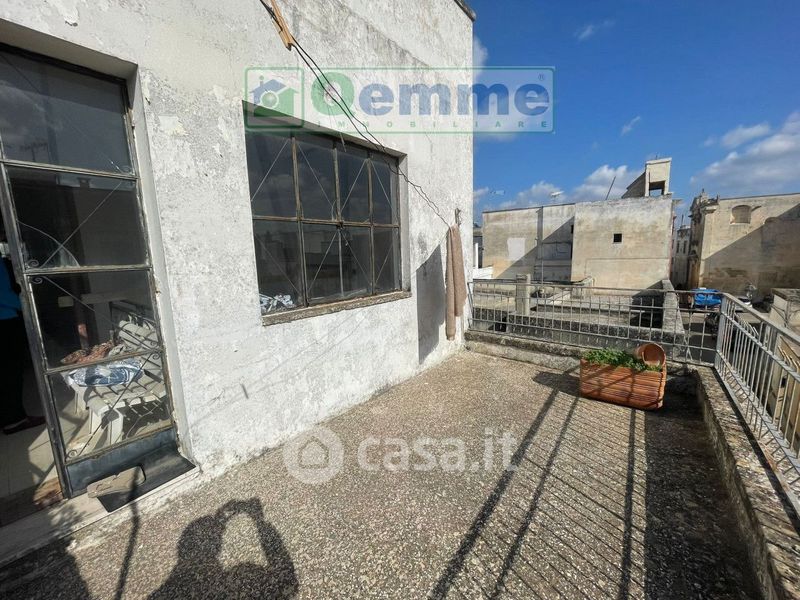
column 455, row 284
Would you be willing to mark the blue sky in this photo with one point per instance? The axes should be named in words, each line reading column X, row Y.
column 715, row 85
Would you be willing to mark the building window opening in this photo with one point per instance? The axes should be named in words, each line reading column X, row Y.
column 617, row 238
column 740, row 214
column 325, row 219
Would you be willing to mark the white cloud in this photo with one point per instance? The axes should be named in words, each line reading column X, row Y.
column 741, row 135
column 628, row 127
column 710, row 141
column 480, row 193
column 536, row 195
column 479, row 53
column 595, row 186
column 590, row 29
column 766, row 166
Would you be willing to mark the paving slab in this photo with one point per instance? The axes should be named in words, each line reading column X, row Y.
column 596, row 501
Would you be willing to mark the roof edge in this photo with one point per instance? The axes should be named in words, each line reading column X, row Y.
column 467, row 10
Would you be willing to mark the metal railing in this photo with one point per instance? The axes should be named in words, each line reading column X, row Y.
column 757, row 360
column 596, row 317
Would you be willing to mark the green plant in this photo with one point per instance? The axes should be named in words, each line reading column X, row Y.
column 617, row 358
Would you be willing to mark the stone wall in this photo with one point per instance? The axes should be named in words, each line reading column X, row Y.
column 641, row 259
column 731, row 253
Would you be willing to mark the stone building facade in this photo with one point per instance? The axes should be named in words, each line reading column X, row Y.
column 738, row 242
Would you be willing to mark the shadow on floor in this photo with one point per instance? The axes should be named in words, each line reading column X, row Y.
column 601, row 501
column 199, row 570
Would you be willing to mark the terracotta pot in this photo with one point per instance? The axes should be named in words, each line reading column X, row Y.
column 621, row 385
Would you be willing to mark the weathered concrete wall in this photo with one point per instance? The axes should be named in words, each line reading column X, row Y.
column 526, row 241
column 240, row 386
column 764, row 252
column 641, row 260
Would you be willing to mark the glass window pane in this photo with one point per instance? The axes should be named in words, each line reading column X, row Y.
column 111, row 402
column 68, row 220
column 317, row 179
column 271, row 175
column 387, row 259
column 89, row 316
column 279, row 266
column 356, row 265
column 353, row 184
column 321, row 247
column 384, row 201
column 49, row 114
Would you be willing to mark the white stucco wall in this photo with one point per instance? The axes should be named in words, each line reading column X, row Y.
column 641, row 260
column 529, row 240
column 239, row 386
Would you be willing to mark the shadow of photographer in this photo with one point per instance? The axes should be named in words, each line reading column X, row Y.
column 199, row 570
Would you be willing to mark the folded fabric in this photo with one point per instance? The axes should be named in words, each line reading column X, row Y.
column 118, row 372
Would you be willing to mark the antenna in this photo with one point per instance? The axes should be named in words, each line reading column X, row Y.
column 611, row 186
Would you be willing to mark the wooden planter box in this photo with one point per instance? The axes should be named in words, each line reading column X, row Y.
column 621, row 385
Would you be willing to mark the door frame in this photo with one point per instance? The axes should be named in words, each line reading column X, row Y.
column 76, row 484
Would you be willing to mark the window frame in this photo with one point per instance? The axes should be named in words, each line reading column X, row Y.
column 369, row 156
column 614, row 239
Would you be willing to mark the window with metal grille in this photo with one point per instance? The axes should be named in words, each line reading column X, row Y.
column 325, row 219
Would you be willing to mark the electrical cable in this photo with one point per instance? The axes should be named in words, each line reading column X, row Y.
column 367, row 135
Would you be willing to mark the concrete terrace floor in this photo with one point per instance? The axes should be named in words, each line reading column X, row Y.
column 604, row 502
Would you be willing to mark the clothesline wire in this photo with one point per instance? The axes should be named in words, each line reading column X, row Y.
column 367, row 135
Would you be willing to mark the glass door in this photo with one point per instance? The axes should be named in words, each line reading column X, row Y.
column 70, row 197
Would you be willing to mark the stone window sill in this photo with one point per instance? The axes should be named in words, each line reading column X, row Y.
column 334, row 307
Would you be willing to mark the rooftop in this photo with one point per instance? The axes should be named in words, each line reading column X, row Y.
column 598, row 501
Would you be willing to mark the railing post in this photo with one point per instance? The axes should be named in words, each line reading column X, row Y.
column 523, row 295
column 722, row 330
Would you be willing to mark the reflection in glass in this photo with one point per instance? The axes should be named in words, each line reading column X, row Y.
column 114, row 401
column 90, row 316
column 271, row 175
column 387, row 259
column 384, row 200
column 356, row 265
column 353, row 184
column 321, row 248
column 279, row 265
column 316, row 178
column 49, row 114
column 69, row 220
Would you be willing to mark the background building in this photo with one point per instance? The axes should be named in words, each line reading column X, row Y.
column 736, row 242
column 679, row 272
column 618, row 243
